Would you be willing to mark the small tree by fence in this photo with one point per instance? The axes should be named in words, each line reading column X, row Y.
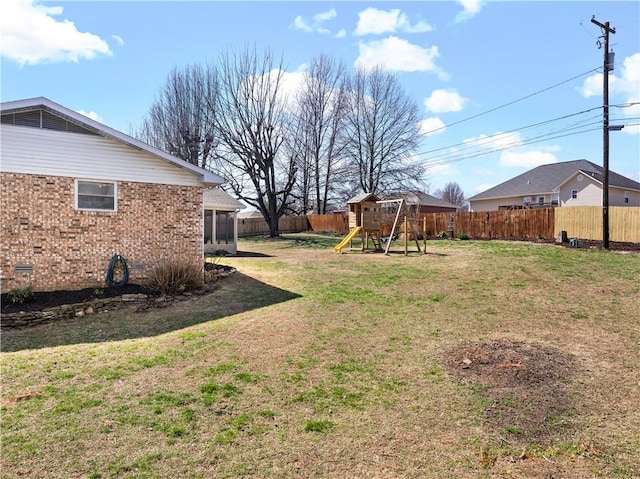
column 584, row 222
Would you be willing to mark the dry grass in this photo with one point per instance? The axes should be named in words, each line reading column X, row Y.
column 325, row 365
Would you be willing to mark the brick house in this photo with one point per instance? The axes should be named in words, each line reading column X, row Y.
column 75, row 192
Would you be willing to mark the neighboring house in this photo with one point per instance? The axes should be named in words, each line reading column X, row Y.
column 418, row 202
column 570, row 183
column 75, row 192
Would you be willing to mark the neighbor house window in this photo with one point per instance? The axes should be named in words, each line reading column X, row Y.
column 574, row 194
column 541, row 200
column 626, row 197
column 96, row 195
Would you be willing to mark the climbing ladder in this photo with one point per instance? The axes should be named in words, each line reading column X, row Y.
column 375, row 238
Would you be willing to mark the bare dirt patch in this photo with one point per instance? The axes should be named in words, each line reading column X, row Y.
column 524, row 384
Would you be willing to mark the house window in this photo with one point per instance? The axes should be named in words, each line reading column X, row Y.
column 541, row 200
column 574, row 194
column 626, row 197
column 96, row 195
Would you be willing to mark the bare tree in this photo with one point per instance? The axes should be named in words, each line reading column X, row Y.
column 382, row 130
column 320, row 109
column 451, row 193
column 252, row 124
column 180, row 120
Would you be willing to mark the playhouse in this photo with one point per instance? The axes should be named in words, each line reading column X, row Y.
column 369, row 217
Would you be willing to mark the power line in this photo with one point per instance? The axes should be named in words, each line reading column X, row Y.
column 460, row 154
column 482, row 153
column 489, row 137
column 512, row 102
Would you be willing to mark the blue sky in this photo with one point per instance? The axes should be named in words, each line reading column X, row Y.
column 459, row 60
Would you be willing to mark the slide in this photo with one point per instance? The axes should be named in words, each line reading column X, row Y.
column 352, row 234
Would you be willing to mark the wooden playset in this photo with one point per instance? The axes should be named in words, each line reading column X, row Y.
column 376, row 220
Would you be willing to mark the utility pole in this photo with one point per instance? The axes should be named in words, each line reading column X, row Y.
column 608, row 66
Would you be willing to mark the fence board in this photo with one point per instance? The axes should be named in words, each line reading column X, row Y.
column 529, row 223
column 258, row 226
column 586, row 222
column 336, row 223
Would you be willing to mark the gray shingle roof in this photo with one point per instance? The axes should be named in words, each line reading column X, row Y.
column 547, row 178
column 216, row 197
column 419, row 198
column 363, row 197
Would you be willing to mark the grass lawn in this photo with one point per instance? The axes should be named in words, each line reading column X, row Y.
column 476, row 360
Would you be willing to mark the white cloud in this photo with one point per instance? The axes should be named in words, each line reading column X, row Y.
column 592, row 86
column 497, row 141
column 442, row 101
column 527, row 159
column 398, row 54
column 324, row 16
column 316, row 23
column 471, row 8
column 91, row 114
column 441, row 169
column 372, row 21
column 625, row 87
column 118, row 39
column 30, row 35
column 341, row 33
column 290, row 84
column 432, row 126
column 300, row 24
column 418, row 27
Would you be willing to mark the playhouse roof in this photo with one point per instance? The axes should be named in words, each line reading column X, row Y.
column 362, row 198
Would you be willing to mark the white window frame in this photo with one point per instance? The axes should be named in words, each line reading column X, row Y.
column 626, row 197
column 115, row 195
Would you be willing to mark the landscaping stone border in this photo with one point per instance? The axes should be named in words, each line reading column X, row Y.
column 142, row 302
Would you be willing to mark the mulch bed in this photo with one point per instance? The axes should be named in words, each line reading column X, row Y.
column 48, row 299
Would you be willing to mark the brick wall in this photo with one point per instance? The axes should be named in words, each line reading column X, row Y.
column 71, row 249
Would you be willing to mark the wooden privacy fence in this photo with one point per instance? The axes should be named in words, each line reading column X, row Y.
column 529, row 223
column 335, row 223
column 584, row 222
column 258, row 226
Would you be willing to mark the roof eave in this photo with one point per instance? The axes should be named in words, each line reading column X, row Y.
column 206, row 177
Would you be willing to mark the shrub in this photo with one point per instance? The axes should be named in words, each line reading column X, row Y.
column 20, row 295
column 173, row 276
column 462, row 236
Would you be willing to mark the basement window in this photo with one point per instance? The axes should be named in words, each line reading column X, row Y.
column 96, row 195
